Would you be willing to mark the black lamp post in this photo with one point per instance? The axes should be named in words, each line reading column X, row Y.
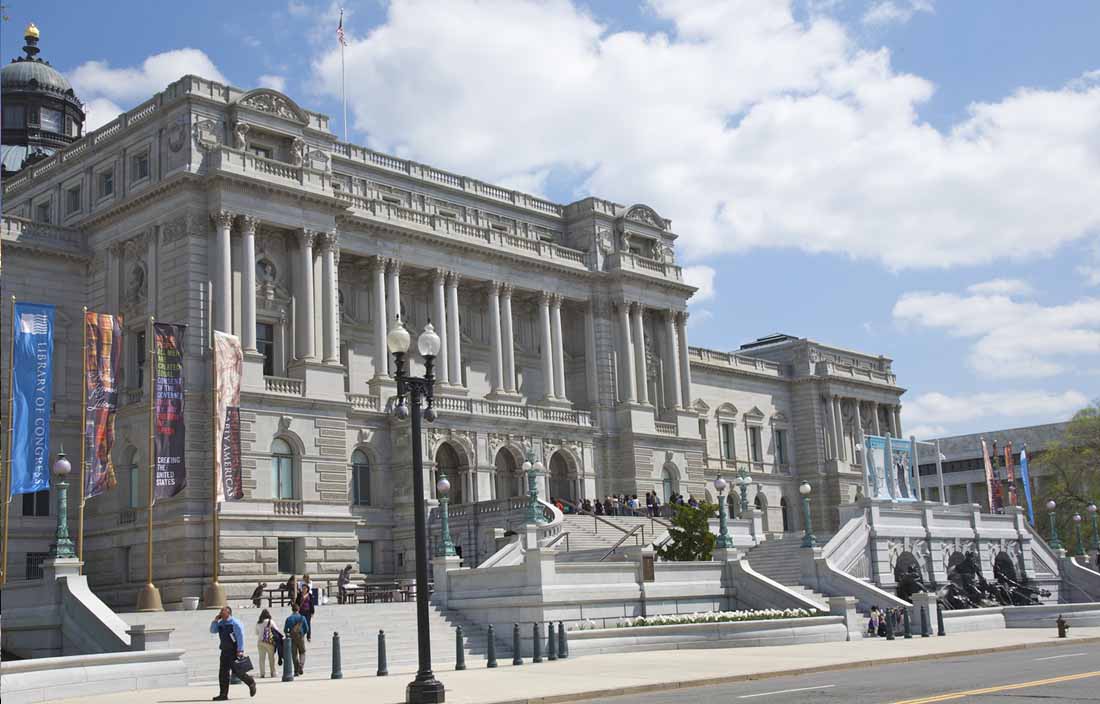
column 425, row 689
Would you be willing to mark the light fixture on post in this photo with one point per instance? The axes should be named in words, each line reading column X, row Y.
column 443, row 491
column 533, row 468
column 411, row 391
column 724, row 541
column 743, row 481
column 63, row 545
column 1054, row 542
column 808, row 540
column 1080, row 541
column 1095, row 527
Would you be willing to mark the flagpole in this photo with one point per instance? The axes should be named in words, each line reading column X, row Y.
column 11, row 432
column 343, row 91
column 214, row 594
column 83, row 440
column 149, row 596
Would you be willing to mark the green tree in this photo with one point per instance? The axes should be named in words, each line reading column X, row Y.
column 1071, row 476
column 690, row 531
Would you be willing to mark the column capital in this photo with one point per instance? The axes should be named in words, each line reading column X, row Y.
column 506, row 289
column 453, row 279
column 248, row 224
column 556, row 300
column 327, row 241
column 682, row 318
column 544, row 298
column 492, row 287
column 309, row 237
column 439, row 275
column 394, row 265
column 377, row 263
column 222, row 218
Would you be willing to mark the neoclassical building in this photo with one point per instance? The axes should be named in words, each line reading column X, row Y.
column 564, row 332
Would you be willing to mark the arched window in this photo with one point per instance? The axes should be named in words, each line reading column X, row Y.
column 668, row 485
column 282, row 470
column 360, row 478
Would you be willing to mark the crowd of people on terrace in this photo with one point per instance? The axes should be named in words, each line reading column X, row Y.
column 626, row 505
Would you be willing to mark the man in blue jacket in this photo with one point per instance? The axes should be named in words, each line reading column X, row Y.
column 231, row 643
column 297, row 630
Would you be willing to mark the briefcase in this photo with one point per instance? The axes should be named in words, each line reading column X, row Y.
column 242, row 665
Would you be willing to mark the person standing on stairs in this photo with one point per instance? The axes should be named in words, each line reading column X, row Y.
column 268, row 639
column 231, row 645
column 296, row 629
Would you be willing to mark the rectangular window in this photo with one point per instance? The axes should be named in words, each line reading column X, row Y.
column 37, row 504
column 139, row 360
column 259, row 151
column 727, row 441
column 139, row 167
column 42, row 213
column 72, row 200
column 703, row 435
column 265, row 345
column 360, row 479
column 284, row 476
column 756, row 447
column 106, row 183
column 781, row 446
column 51, row 120
column 366, row 557
column 135, row 487
column 34, row 564
column 288, row 555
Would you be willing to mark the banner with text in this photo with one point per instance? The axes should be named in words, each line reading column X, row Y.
column 992, row 489
column 228, row 367
column 889, row 472
column 102, row 350
column 169, row 430
column 32, row 397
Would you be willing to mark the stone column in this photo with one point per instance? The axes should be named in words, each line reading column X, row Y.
column 858, row 434
column 329, row 298
column 222, row 272
column 832, row 441
column 439, row 319
column 639, row 352
column 495, row 365
column 874, row 419
column 897, row 421
column 546, row 342
column 685, row 363
column 591, row 377
column 152, row 242
column 838, row 428
column 455, row 346
column 559, row 347
column 381, row 321
column 672, row 375
column 626, row 354
column 303, row 296
column 248, row 283
column 508, row 338
column 393, row 292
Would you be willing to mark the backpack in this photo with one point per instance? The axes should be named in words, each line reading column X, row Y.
column 268, row 638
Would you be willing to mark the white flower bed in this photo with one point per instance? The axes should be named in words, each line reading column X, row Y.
column 713, row 617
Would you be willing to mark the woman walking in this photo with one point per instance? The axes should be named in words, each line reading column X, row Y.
column 266, row 635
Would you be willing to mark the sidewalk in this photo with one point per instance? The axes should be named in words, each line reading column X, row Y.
column 602, row 675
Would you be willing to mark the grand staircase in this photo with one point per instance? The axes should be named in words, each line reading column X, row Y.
column 592, row 538
column 358, row 625
column 780, row 559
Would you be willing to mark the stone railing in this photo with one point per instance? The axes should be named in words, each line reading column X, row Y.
column 365, row 402
column 628, row 261
column 666, row 428
column 734, row 362
column 485, row 407
column 239, row 161
column 132, row 395
column 127, row 516
column 286, row 507
column 54, row 237
column 719, row 464
column 284, row 386
column 859, row 373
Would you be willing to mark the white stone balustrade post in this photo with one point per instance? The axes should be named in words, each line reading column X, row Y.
column 222, row 271
column 303, row 310
column 248, row 283
column 439, row 318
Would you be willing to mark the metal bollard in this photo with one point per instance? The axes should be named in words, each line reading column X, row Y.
column 460, row 651
column 940, row 631
column 517, row 657
column 491, row 648
column 288, row 660
column 908, row 621
column 382, row 669
column 889, row 624
column 563, row 646
column 536, row 642
column 925, row 631
column 551, row 642
column 337, row 673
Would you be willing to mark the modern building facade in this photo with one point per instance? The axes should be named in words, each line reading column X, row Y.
column 564, row 331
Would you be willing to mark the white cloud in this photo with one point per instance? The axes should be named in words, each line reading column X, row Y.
column 701, row 277
column 98, row 112
column 924, row 432
column 1012, row 339
column 1002, row 287
column 273, row 82
column 746, row 127
column 934, row 411
column 699, row 317
column 1090, row 270
column 297, row 9
column 885, row 12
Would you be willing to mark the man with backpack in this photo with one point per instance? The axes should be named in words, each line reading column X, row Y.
column 231, row 644
column 297, row 629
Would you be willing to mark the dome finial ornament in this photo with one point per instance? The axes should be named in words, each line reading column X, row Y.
column 31, row 35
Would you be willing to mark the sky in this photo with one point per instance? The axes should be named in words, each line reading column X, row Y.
column 918, row 179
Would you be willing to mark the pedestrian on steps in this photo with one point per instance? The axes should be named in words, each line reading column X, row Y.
column 231, row 644
column 297, row 629
column 266, row 636
column 307, row 600
column 292, row 590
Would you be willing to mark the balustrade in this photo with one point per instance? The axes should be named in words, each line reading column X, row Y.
column 284, row 386
column 287, row 507
column 666, row 428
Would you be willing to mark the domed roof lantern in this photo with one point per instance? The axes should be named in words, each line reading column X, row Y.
column 31, row 35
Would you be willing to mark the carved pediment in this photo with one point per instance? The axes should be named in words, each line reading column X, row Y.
column 645, row 215
column 726, row 410
column 274, row 103
column 754, row 414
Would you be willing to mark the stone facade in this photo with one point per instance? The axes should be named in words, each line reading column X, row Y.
column 564, row 331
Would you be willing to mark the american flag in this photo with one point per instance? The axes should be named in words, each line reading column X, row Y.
column 340, row 31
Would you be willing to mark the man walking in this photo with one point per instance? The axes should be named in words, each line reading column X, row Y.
column 297, row 629
column 231, row 643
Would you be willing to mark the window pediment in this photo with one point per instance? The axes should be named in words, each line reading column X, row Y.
column 274, row 103
column 726, row 410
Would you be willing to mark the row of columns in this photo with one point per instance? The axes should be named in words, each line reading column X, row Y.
column 835, row 418
column 632, row 356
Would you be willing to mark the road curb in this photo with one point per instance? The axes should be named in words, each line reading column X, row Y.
column 748, row 677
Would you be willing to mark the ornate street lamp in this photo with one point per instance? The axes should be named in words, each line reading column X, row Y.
column 1080, row 542
column 533, row 469
column 743, row 481
column 1054, row 542
column 443, row 490
column 808, row 540
column 425, row 689
column 1095, row 528
column 63, row 544
column 724, row 540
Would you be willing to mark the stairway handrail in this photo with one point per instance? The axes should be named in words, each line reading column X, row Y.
column 564, row 535
column 633, row 531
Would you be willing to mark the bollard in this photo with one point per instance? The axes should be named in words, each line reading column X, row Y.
column 517, row 657
column 491, row 648
column 337, row 673
column 563, row 646
column 940, row 631
column 1062, row 626
column 460, row 652
column 908, row 623
column 551, row 642
column 288, row 660
column 536, row 643
column 925, row 631
column 382, row 670
column 889, row 624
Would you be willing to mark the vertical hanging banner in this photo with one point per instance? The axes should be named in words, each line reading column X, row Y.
column 904, row 482
column 990, row 480
column 1010, row 475
column 1027, row 485
column 169, row 434
column 101, row 358
column 32, row 397
column 228, row 367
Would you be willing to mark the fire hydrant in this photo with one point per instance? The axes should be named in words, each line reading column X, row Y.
column 1062, row 626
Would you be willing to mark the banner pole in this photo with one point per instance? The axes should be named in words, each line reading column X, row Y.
column 214, row 594
column 83, row 440
column 11, row 432
column 149, row 596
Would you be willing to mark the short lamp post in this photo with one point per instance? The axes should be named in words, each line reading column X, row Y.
column 63, row 544
column 425, row 689
column 443, row 491
column 743, row 481
column 1095, row 527
column 533, row 469
column 724, row 540
column 1080, row 540
column 1054, row 542
column 808, row 540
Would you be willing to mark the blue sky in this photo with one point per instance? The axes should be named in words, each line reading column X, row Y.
column 913, row 178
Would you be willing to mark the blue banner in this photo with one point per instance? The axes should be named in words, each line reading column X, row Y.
column 1027, row 485
column 890, row 478
column 32, row 397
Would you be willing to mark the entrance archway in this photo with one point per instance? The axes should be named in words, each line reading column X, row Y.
column 561, row 484
column 508, row 479
column 761, row 503
column 668, row 484
column 447, row 462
